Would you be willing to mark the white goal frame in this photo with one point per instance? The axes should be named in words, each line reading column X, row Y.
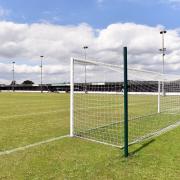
column 154, row 75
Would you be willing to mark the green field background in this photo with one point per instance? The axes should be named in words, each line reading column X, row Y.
column 27, row 118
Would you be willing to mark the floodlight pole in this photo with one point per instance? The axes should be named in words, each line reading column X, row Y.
column 163, row 50
column 41, row 66
column 85, row 55
column 13, row 81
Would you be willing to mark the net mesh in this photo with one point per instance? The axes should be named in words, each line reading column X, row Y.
column 153, row 102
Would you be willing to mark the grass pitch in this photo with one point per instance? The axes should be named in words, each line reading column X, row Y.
column 29, row 118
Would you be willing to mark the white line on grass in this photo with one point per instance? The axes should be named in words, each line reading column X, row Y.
column 32, row 145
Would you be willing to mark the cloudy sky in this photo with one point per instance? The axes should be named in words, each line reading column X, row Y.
column 59, row 29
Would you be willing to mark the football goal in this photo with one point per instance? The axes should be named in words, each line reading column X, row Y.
column 116, row 105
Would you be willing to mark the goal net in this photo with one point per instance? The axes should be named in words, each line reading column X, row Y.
column 97, row 102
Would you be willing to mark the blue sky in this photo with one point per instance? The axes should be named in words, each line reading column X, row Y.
column 97, row 13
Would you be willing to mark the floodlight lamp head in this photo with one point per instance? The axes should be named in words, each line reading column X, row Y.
column 41, row 56
column 163, row 32
column 164, row 49
column 85, row 47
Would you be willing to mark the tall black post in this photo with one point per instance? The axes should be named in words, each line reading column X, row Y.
column 125, row 104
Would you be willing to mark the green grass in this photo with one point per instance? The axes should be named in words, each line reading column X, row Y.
column 29, row 118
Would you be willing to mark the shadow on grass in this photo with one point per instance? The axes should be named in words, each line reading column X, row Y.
column 144, row 145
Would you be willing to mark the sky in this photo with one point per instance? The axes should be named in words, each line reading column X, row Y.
column 58, row 29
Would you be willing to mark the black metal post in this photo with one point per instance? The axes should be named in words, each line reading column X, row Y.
column 125, row 104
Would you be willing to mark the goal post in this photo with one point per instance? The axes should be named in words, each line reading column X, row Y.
column 82, row 99
column 72, row 97
column 119, row 105
column 159, row 93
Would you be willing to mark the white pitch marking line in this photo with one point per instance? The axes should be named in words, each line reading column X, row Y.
column 32, row 145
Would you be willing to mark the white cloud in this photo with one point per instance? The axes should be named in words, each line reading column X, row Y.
column 25, row 43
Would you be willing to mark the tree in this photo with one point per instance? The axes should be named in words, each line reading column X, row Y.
column 28, row 82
